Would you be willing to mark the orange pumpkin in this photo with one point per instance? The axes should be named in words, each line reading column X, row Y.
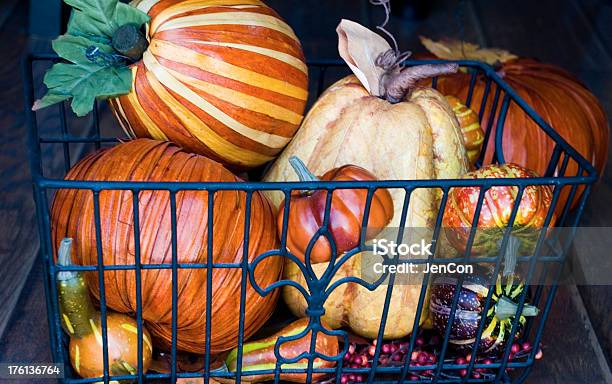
column 563, row 102
column 556, row 95
column 221, row 78
column 149, row 160
column 347, row 211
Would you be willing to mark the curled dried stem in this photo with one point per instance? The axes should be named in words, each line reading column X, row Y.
column 396, row 82
column 400, row 85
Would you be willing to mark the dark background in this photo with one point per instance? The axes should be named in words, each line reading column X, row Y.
column 575, row 34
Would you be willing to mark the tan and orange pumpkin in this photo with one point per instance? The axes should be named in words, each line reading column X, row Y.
column 221, row 78
column 149, row 160
column 395, row 130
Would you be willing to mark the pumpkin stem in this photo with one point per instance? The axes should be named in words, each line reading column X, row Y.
column 64, row 259
column 130, row 42
column 302, row 170
column 76, row 307
column 506, row 308
column 399, row 86
column 512, row 249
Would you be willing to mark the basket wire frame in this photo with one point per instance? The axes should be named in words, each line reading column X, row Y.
column 317, row 289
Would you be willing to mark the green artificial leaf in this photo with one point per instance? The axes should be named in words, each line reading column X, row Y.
column 84, row 83
column 126, row 14
column 73, row 48
column 82, row 80
column 80, row 24
column 100, row 15
column 48, row 100
column 94, row 20
column 92, row 24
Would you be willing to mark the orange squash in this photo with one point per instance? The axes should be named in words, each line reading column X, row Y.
column 221, row 78
column 556, row 95
column 149, row 160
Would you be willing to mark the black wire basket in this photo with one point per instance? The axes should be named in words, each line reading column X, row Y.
column 544, row 265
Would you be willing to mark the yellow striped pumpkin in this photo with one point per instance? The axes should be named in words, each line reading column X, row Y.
column 221, row 78
column 470, row 127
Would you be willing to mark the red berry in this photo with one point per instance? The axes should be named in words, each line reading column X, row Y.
column 432, row 358
column 344, row 380
column 526, row 346
column 476, row 375
column 468, row 358
column 460, row 360
column 422, row 358
column 515, row 348
column 487, row 361
column 539, row 354
column 359, row 378
column 347, row 356
column 428, row 372
column 414, row 356
column 463, row 372
column 413, row 377
column 371, row 350
column 364, row 360
column 396, row 357
column 374, row 342
column 386, row 348
column 352, row 377
column 351, row 348
column 420, row 341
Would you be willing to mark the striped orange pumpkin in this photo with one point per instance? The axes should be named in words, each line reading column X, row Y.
column 221, row 78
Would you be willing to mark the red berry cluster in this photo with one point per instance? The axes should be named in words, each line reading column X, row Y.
column 395, row 353
column 392, row 353
column 517, row 351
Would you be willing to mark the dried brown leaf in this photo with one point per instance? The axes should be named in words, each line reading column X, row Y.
column 451, row 49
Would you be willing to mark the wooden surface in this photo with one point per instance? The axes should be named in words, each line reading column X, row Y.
column 574, row 34
column 18, row 241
